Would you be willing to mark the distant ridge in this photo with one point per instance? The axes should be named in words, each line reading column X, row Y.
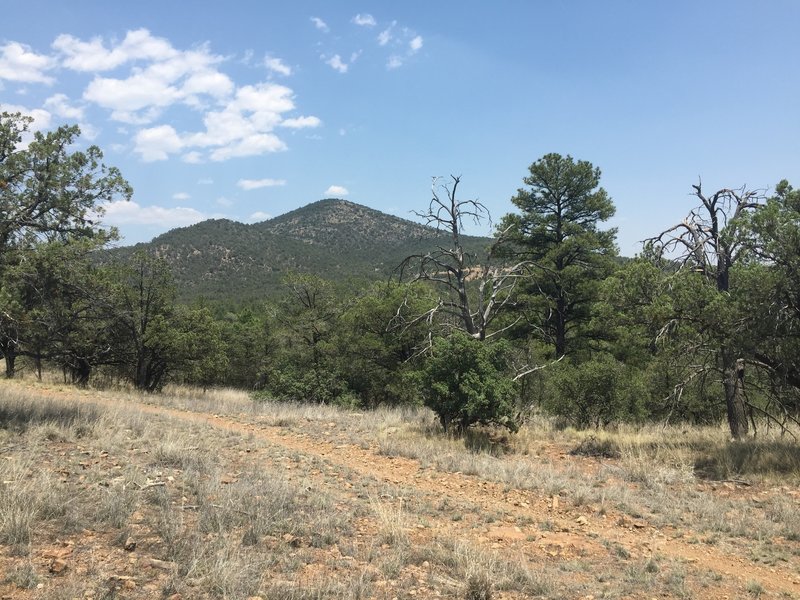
column 228, row 261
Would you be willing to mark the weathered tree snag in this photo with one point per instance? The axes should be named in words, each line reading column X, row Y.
column 735, row 402
column 454, row 271
column 710, row 241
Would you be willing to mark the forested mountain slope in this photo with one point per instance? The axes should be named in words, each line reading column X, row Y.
column 339, row 240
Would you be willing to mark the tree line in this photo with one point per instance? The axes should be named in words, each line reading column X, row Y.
column 702, row 326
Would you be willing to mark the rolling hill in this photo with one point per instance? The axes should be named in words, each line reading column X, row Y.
column 336, row 239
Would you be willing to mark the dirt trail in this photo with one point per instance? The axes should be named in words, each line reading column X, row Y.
column 576, row 532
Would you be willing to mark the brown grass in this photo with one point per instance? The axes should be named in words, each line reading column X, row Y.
column 231, row 516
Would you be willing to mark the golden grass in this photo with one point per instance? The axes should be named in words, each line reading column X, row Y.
column 249, row 534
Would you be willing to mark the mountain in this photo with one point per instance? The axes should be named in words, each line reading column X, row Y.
column 336, row 239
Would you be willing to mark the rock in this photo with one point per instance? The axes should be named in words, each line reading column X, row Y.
column 157, row 564
column 582, row 520
column 58, row 566
column 555, row 502
column 130, row 544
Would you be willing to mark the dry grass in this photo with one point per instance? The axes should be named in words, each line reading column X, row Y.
column 231, row 516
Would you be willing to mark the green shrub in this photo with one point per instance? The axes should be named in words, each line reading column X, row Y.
column 464, row 381
column 598, row 392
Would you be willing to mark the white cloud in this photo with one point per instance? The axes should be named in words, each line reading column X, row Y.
column 224, row 202
column 415, row 44
column 132, row 213
column 180, row 196
column 169, row 75
column 254, row 184
column 236, row 121
column 320, row 24
column 336, row 63
column 93, row 55
column 157, row 143
column 336, row 190
column 301, row 122
column 385, row 36
column 276, row 65
column 252, row 145
column 394, row 62
column 365, row 20
column 192, row 158
column 259, row 215
column 59, row 105
column 19, row 63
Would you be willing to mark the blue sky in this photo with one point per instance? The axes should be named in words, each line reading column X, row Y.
column 247, row 110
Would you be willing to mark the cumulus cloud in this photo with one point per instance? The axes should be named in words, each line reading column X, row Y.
column 254, row 184
column 157, row 143
column 19, row 63
column 365, row 20
column 224, row 202
column 94, row 56
column 59, row 105
column 235, row 121
column 192, row 158
column 259, row 215
column 385, row 36
column 413, row 45
column 242, row 127
column 336, row 63
column 173, row 76
column 180, row 196
column 132, row 213
column 276, row 65
column 320, row 24
column 252, row 145
column 336, row 190
column 301, row 122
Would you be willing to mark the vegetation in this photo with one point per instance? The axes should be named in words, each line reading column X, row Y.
column 543, row 318
column 116, row 494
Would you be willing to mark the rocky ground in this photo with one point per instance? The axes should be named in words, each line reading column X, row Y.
column 114, row 496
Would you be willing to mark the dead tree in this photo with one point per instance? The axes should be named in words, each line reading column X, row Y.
column 710, row 240
column 473, row 290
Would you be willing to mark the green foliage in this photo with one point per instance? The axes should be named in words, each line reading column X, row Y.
column 235, row 263
column 246, row 336
column 49, row 194
column 375, row 344
column 301, row 365
column 49, row 191
column 598, row 392
column 557, row 230
column 465, row 381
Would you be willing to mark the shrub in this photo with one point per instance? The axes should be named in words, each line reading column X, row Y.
column 464, row 381
column 598, row 392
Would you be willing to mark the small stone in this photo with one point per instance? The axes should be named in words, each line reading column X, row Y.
column 555, row 502
column 130, row 545
column 582, row 520
column 58, row 566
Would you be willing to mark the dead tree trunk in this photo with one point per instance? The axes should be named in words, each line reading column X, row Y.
column 735, row 403
column 710, row 241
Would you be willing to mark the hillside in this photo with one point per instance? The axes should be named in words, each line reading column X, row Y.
column 339, row 240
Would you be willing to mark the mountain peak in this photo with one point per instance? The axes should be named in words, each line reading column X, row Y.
column 334, row 238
